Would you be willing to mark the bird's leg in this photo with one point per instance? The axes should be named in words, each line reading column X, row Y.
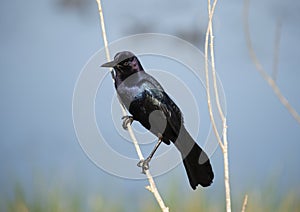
column 127, row 120
column 145, row 163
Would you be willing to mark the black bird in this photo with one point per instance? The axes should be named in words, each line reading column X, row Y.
column 149, row 104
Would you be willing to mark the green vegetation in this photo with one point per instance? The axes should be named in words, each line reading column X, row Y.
column 56, row 200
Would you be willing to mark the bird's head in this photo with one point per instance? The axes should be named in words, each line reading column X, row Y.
column 125, row 63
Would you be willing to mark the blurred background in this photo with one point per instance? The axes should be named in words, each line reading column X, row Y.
column 45, row 44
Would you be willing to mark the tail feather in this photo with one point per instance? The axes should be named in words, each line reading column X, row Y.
column 195, row 160
column 198, row 173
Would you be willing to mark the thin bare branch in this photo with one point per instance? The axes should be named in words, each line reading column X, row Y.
column 226, row 167
column 245, row 203
column 211, row 115
column 261, row 70
column 212, row 56
column 224, row 145
column 152, row 187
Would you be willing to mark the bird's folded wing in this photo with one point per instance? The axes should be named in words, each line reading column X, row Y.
column 159, row 100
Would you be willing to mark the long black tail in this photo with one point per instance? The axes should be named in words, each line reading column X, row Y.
column 195, row 160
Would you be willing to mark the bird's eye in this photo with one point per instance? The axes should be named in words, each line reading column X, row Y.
column 126, row 63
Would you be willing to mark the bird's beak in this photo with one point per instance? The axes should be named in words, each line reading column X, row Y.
column 110, row 64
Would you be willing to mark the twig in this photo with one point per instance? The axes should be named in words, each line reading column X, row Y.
column 261, row 70
column 152, row 187
column 226, row 168
column 224, row 145
column 207, row 77
column 245, row 203
column 212, row 56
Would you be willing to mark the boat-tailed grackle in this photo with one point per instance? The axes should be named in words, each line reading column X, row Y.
column 149, row 104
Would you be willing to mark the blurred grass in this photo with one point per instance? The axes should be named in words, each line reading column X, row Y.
column 55, row 200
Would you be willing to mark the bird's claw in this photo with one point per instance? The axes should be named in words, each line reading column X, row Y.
column 144, row 164
column 127, row 120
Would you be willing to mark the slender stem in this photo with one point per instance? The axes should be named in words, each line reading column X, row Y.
column 207, row 76
column 261, row 70
column 226, row 168
column 213, row 69
column 104, row 36
column 152, row 186
column 224, row 145
column 245, row 203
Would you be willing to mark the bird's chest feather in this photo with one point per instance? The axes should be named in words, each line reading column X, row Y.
column 133, row 88
column 129, row 92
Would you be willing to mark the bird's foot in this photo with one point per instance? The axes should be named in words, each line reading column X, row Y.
column 144, row 164
column 127, row 120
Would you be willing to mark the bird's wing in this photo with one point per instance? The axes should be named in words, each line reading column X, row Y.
column 167, row 113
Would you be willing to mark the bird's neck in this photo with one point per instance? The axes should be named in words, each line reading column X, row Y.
column 121, row 77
